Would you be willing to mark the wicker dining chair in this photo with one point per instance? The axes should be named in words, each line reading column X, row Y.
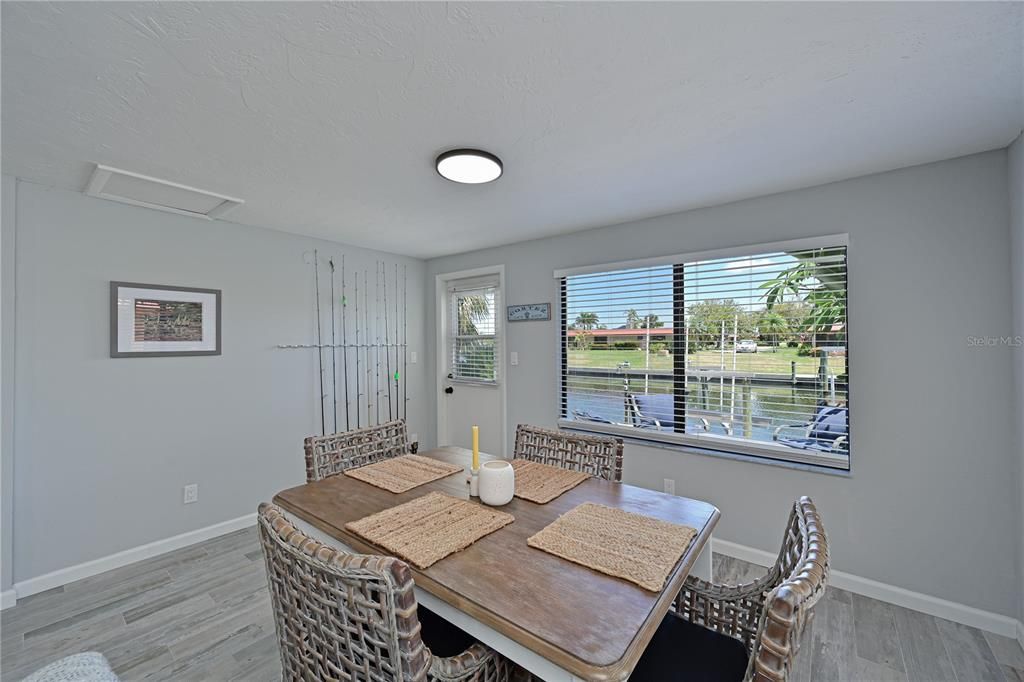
column 747, row 632
column 342, row 616
column 600, row 456
column 333, row 454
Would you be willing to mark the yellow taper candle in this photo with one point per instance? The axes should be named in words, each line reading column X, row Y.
column 476, row 447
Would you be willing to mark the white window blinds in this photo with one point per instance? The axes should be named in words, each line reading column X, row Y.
column 473, row 343
column 744, row 353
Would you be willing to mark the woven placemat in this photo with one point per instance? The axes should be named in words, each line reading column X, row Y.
column 403, row 473
column 542, row 483
column 637, row 548
column 429, row 528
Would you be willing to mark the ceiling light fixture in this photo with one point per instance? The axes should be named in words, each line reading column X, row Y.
column 469, row 166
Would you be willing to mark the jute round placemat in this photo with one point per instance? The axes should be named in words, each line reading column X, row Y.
column 637, row 548
column 429, row 528
column 403, row 473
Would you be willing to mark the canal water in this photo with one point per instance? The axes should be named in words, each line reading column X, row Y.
column 772, row 404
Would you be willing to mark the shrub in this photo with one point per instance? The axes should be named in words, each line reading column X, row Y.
column 626, row 345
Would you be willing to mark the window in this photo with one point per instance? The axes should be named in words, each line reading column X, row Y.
column 740, row 351
column 473, row 340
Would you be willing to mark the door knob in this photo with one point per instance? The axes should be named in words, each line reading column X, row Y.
column 449, row 390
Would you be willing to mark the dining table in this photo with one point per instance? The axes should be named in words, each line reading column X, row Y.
column 559, row 620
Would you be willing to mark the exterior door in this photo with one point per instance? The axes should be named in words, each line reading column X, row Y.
column 472, row 388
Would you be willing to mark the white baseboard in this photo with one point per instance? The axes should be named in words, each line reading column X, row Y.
column 925, row 603
column 129, row 556
column 8, row 598
column 1020, row 633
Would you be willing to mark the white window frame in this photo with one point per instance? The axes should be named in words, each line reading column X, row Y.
column 709, row 442
column 471, row 284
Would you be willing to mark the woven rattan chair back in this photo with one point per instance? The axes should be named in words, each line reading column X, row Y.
column 599, row 456
column 339, row 616
column 333, row 454
column 803, row 566
column 769, row 614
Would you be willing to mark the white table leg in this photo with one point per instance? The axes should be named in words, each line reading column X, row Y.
column 702, row 567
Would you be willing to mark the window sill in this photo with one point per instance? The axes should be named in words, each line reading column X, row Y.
column 572, row 425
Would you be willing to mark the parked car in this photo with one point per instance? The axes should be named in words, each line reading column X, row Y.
column 746, row 346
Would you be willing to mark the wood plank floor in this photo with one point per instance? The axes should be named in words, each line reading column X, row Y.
column 203, row 612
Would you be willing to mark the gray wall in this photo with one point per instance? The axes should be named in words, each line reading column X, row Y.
column 1016, row 186
column 104, row 446
column 7, row 248
column 928, row 498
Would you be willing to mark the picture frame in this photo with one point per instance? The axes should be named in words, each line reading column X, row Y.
column 528, row 312
column 153, row 320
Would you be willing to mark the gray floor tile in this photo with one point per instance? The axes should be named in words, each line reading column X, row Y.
column 203, row 612
column 970, row 654
column 924, row 652
column 876, row 636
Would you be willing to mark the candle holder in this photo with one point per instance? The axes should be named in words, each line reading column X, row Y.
column 497, row 483
column 474, row 483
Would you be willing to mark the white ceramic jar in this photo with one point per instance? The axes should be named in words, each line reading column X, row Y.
column 497, row 483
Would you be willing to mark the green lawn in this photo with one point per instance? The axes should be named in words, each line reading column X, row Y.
column 762, row 362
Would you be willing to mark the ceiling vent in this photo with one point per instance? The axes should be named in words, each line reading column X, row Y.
column 141, row 190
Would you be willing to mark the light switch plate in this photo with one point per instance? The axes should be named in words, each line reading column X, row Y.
column 412, row 357
column 514, row 358
column 190, row 493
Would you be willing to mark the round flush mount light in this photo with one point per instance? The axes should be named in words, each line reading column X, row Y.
column 469, row 166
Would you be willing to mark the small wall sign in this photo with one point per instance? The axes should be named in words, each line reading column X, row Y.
column 529, row 312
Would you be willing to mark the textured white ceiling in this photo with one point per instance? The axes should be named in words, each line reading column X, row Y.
column 326, row 118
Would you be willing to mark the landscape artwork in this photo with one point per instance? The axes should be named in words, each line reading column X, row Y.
column 168, row 320
column 151, row 320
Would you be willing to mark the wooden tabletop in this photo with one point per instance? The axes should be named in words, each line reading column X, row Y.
column 588, row 623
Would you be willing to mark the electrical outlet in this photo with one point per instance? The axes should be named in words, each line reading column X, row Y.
column 670, row 486
column 514, row 358
column 412, row 357
column 191, row 493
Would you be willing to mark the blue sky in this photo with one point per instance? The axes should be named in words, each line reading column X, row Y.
column 649, row 290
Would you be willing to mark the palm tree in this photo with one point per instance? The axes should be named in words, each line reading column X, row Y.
column 820, row 286
column 632, row 319
column 774, row 324
column 586, row 321
column 471, row 310
column 651, row 322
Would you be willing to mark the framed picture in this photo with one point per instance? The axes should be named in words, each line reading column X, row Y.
column 148, row 320
column 529, row 311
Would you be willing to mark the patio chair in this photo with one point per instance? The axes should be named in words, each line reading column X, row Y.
column 337, row 452
column 342, row 616
column 584, row 416
column 657, row 411
column 828, row 431
column 748, row 632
